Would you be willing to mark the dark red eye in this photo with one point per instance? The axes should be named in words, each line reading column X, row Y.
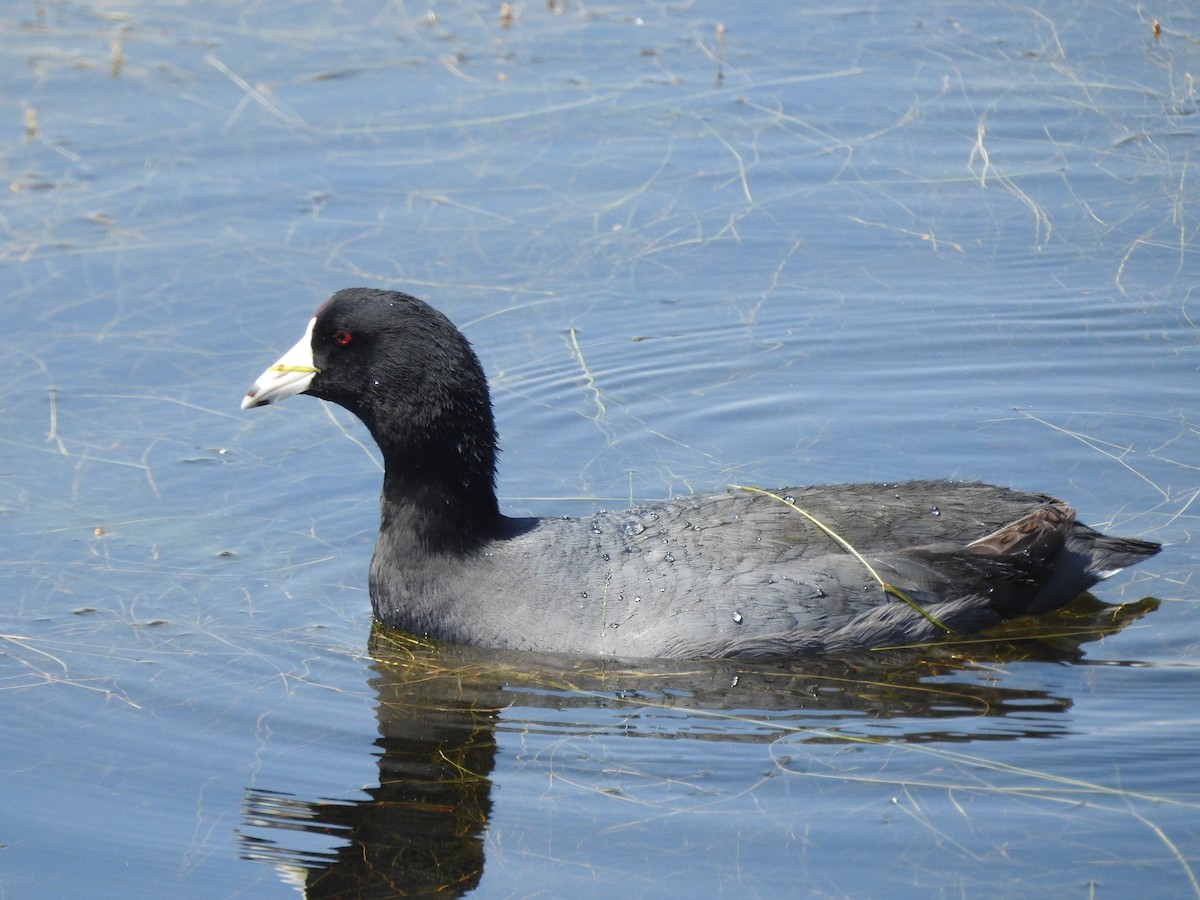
column 342, row 337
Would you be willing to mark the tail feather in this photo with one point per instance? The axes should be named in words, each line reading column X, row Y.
column 1109, row 555
column 1088, row 557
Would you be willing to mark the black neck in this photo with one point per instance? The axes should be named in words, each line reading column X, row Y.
column 441, row 512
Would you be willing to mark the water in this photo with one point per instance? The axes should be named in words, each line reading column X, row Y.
column 924, row 241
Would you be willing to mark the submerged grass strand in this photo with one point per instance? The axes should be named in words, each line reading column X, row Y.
column 846, row 545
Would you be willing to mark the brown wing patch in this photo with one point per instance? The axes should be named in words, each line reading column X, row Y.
column 1035, row 534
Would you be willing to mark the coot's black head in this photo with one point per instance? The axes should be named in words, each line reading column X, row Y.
column 410, row 376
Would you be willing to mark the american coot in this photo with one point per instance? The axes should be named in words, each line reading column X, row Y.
column 733, row 574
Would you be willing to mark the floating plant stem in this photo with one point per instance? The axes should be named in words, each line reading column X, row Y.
column 720, row 30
